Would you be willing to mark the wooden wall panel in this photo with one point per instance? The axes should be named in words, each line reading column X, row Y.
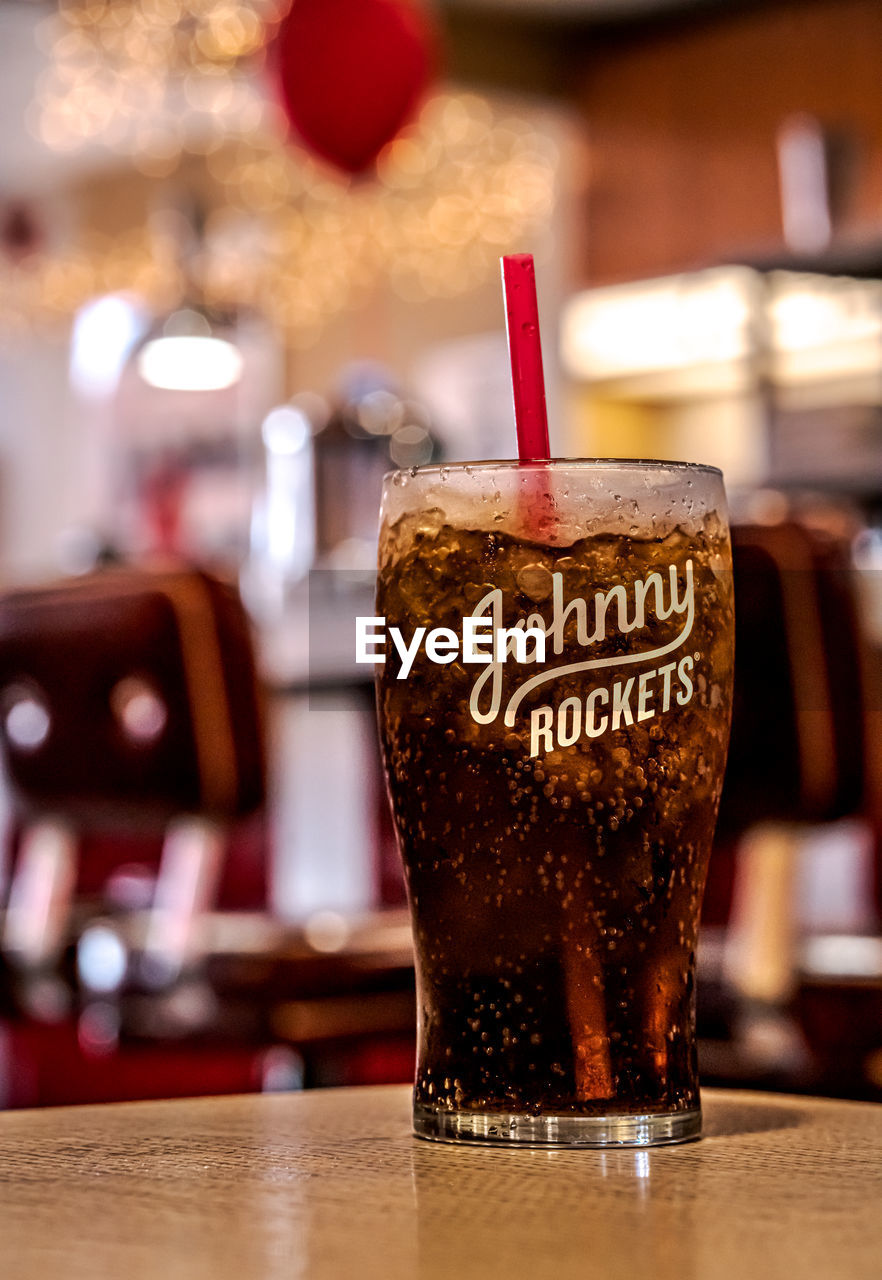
column 682, row 124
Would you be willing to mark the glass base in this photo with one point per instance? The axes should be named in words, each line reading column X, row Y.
column 505, row 1128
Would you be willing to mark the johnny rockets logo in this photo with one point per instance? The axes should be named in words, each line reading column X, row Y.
column 619, row 611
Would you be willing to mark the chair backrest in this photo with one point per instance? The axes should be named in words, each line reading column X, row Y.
column 130, row 696
column 128, row 701
column 798, row 732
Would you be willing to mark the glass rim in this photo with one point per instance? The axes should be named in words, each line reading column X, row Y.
column 556, row 464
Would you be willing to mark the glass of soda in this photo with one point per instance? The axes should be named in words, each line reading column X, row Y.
column 554, row 710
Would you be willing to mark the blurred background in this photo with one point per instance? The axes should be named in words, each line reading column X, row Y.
column 249, row 262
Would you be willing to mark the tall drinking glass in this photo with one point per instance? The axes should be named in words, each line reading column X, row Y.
column 554, row 710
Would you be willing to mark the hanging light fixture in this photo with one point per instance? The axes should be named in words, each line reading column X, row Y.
column 189, row 354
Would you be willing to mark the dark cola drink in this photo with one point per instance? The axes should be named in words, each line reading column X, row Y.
column 554, row 708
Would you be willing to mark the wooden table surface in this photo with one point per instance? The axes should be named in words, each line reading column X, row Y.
column 333, row 1185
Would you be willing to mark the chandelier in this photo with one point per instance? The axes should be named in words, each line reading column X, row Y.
column 175, row 87
column 453, row 192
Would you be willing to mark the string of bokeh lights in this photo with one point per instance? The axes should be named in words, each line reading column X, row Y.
column 283, row 233
column 149, row 78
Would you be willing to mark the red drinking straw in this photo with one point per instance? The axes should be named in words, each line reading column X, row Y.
column 525, row 353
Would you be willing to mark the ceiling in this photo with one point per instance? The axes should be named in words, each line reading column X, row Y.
column 590, row 10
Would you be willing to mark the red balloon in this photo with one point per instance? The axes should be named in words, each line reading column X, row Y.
column 351, row 73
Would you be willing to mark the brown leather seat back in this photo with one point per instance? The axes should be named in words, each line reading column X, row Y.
column 797, row 750
column 130, row 696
